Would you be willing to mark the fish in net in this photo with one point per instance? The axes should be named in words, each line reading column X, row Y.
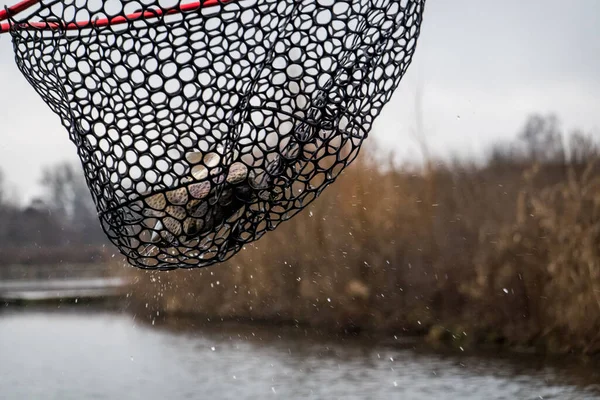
column 200, row 126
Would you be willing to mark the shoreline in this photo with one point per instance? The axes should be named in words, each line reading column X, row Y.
column 430, row 337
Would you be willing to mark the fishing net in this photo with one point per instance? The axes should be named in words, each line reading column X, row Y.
column 201, row 126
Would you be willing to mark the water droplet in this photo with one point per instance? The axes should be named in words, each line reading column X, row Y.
column 234, row 377
column 505, row 290
column 273, row 389
column 213, row 348
column 310, row 214
column 395, row 383
column 461, row 348
column 329, row 300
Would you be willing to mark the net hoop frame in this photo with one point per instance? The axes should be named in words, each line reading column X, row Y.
column 12, row 11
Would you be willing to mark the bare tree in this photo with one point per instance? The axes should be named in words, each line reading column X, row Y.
column 582, row 147
column 543, row 139
column 67, row 196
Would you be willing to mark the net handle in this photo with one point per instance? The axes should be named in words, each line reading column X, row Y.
column 97, row 23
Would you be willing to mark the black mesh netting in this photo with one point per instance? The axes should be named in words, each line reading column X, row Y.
column 200, row 130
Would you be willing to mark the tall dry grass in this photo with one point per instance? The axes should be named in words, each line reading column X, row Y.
column 507, row 252
column 539, row 282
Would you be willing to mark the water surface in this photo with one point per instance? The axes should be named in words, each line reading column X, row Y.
column 75, row 354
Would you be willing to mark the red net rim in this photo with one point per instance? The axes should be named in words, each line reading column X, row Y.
column 97, row 23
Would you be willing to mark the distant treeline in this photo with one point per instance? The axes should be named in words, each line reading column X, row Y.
column 507, row 252
column 61, row 225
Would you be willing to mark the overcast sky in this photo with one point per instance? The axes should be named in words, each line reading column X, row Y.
column 483, row 66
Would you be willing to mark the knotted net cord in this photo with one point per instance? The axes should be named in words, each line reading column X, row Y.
column 201, row 126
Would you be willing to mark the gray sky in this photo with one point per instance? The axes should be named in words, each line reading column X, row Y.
column 483, row 66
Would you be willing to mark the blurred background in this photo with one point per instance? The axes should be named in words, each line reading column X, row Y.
column 457, row 257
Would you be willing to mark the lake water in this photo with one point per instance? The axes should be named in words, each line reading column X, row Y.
column 84, row 354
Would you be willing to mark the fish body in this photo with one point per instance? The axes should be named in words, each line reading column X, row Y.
column 200, row 204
